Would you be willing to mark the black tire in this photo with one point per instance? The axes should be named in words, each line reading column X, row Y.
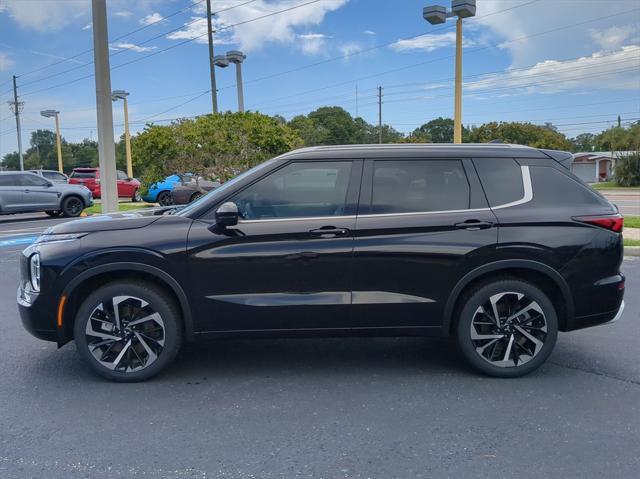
column 72, row 206
column 508, row 337
column 136, row 198
column 164, row 198
column 130, row 311
column 197, row 195
column 53, row 213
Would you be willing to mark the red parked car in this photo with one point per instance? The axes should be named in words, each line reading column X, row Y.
column 90, row 177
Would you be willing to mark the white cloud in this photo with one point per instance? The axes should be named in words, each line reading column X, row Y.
column 368, row 32
column 151, row 19
column 46, row 15
column 123, row 14
column 278, row 28
column 596, row 71
column 350, row 48
column 612, row 38
column 88, row 26
column 5, row 61
column 130, row 46
column 429, row 42
column 521, row 31
column 312, row 43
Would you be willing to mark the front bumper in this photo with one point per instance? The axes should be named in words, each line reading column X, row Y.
column 36, row 314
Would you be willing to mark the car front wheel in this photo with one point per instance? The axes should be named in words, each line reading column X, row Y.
column 136, row 198
column 507, row 328
column 128, row 332
column 72, row 206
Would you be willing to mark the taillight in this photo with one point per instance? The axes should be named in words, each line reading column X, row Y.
column 613, row 223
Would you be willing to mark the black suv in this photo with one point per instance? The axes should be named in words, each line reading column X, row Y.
column 499, row 245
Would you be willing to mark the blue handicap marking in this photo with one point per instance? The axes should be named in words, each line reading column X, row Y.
column 18, row 241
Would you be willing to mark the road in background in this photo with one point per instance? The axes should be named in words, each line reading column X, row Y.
column 334, row 408
column 628, row 202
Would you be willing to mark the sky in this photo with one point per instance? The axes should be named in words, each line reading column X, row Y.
column 575, row 63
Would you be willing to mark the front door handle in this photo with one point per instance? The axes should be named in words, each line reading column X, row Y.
column 474, row 225
column 329, row 232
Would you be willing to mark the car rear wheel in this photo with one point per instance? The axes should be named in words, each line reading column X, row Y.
column 165, row 198
column 507, row 328
column 54, row 213
column 195, row 197
column 72, row 206
column 128, row 332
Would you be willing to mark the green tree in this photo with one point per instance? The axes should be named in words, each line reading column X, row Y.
column 520, row 133
column 11, row 161
column 627, row 170
column 439, row 130
column 214, row 146
column 583, row 142
column 337, row 122
column 85, row 153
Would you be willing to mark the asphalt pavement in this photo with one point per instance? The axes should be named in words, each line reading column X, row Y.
column 308, row 408
column 627, row 201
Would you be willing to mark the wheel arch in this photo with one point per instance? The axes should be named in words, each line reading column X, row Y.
column 102, row 274
column 541, row 275
column 69, row 195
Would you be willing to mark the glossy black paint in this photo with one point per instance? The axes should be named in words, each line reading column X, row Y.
column 354, row 274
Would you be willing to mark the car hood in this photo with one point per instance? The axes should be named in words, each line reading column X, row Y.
column 111, row 222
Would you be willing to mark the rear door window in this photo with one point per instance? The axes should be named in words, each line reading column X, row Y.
column 501, row 179
column 413, row 186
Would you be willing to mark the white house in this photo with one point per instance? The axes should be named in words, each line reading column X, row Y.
column 595, row 166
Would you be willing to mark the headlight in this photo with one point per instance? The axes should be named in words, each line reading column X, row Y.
column 50, row 238
column 34, row 271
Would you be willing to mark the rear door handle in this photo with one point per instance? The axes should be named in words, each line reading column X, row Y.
column 329, row 232
column 474, row 225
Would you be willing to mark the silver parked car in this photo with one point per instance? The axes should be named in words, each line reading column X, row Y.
column 25, row 192
column 52, row 175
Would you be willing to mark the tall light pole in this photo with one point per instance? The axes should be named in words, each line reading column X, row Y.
column 237, row 58
column 437, row 14
column 212, row 70
column 106, row 146
column 122, row 95
column 56, row 114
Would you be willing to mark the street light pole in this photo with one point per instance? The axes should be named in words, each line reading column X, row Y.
column 212, row 70
column 106, row 145
column 56, row 114
column 237, row 58
column 122, row 95
column 457, row 114
column 436, row 14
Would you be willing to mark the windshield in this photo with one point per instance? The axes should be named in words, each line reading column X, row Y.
column 221, row 190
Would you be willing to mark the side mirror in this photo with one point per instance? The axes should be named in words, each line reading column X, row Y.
column 48, row 185
column 227, row 214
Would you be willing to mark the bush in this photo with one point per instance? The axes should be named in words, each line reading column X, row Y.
column 627, row 170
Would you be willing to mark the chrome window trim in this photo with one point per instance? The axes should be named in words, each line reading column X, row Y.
column 527, row 197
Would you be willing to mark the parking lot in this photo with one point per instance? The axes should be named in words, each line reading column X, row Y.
column 352, row 408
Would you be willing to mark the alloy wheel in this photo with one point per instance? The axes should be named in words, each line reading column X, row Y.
column 74, row 206
column 125, row 334
column 509, row 329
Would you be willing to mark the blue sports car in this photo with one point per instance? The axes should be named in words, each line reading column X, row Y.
column 160, row 192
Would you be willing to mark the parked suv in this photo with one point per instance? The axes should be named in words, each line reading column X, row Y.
column 52, row 175
column 90, row 177
column 25, row 192
column 498, row 245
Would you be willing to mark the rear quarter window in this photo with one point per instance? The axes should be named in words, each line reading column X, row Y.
column 501, row 179
column 552, row 187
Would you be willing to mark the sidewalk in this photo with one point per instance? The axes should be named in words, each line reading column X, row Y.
column 631, row 233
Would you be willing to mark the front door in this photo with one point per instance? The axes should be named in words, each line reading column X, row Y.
column 423, row 224
column 286, row 265
column 38, row 193
column 125, row 188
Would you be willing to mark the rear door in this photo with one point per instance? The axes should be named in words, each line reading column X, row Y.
column 422, row 224
column 10, row 193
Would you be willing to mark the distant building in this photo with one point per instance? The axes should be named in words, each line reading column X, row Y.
column 596, row 166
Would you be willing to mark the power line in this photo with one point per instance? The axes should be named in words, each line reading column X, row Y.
column 171, row 47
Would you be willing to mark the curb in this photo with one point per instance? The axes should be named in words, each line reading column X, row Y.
column 632, row 250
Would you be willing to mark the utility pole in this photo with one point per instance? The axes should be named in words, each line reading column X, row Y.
column 380, row 114
column 106, row 145
column 212, row 70
column 17, row 107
